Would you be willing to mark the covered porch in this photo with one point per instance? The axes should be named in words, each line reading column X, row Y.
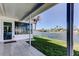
column 22, row 12
column 25, row 14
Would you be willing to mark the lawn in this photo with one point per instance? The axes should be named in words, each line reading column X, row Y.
column 52, row 47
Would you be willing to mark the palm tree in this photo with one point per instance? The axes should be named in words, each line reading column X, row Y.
column 35, row 20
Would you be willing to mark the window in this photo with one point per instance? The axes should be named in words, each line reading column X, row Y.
column 22, row 28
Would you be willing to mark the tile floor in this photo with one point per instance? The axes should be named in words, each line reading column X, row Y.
column 19, row 48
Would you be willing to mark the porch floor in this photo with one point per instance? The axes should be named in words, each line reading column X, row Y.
column 19, row 48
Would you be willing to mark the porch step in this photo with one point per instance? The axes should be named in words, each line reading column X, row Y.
column 9, row 42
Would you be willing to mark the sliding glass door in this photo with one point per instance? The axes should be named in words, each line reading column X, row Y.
column 7, row 30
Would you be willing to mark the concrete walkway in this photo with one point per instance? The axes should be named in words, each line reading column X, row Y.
column 20, row 48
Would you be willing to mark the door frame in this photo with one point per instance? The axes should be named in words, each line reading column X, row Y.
column 11, row 29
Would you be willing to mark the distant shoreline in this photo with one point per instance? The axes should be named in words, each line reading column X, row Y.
column 56, row 32
column 63, row 31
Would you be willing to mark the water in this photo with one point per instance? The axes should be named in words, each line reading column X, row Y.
column 58, row 35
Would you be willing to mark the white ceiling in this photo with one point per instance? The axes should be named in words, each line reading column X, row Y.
column 15, row 10
column 18, row 10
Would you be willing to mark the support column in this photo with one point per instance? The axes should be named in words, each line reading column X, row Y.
column 30, row 31
column 70, row 18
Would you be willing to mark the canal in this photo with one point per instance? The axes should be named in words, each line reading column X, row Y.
column 58, row 35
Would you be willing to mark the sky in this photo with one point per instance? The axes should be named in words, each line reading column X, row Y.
column 56, row 16
column 76, row 15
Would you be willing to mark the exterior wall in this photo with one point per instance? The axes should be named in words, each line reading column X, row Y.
column 14, row 37
column 0, row 30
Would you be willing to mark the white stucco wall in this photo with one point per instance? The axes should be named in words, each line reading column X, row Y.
column 14, row 37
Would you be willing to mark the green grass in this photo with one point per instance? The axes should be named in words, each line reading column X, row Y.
column 51, row 47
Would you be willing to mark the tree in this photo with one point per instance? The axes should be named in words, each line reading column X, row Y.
column 35, row 20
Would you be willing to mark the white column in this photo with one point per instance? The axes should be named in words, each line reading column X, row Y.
column 30, row 31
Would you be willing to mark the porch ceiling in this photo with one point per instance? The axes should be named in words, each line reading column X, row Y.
column 21, row 11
